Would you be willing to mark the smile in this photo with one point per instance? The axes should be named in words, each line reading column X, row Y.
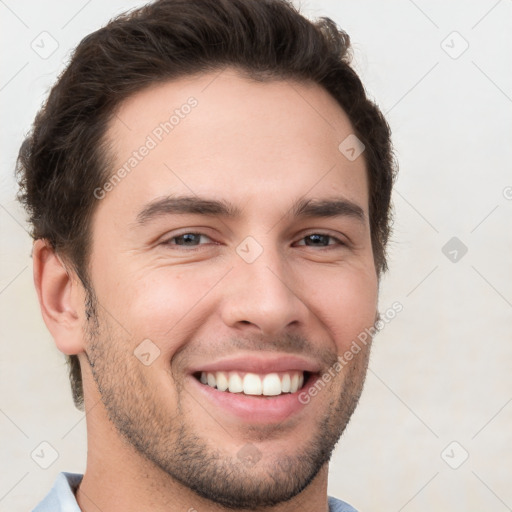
column 247, row 383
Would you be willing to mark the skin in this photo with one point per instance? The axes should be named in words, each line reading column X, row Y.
column 260, row 146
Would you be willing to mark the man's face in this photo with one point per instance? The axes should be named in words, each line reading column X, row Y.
column 259, row 301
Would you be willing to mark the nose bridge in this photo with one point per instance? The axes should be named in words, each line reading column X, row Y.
column 262, row 289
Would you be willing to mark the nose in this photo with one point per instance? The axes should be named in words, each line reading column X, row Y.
column 263, row 295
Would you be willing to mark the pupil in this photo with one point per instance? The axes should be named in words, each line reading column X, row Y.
column 189, row 237
column 316, row 237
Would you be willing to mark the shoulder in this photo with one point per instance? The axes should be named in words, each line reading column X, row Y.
column 336, row 505
column 61, row 497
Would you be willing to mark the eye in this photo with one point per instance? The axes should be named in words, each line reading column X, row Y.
column 193, row 240
column 320, row 240
column 186, row 240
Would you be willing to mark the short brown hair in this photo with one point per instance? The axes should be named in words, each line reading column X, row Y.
column 64, row 158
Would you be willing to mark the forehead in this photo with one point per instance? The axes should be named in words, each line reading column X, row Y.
column 221, row 135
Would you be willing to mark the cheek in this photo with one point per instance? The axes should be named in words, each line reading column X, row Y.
column 348, row 305
column 164, row 304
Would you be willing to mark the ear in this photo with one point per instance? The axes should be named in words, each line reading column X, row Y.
column 61, row 297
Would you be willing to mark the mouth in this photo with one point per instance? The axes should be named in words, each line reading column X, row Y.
column 255, row 384
column 254, row 388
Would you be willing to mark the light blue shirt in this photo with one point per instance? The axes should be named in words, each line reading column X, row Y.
column 61, row 497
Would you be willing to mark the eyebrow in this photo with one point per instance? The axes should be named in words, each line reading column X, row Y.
column 302, row 208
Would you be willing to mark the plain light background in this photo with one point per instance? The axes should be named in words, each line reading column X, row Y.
column 439, row 387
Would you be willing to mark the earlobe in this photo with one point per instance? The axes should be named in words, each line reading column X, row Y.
column 60, row 297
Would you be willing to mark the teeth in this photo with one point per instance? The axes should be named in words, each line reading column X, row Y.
column 252, row 384
column 222, row 381
column 294, row 386
column 286, row 383
column 271, row 384
column 235, row 383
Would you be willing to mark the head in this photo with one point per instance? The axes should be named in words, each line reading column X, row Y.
column 244, row 107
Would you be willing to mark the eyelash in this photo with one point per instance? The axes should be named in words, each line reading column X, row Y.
column 190, row 248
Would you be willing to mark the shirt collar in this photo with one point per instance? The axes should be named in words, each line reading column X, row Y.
column 61, row 497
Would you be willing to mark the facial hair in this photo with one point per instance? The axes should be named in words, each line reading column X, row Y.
column 169, row 440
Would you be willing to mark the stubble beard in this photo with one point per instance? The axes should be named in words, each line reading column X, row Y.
column 170, row 443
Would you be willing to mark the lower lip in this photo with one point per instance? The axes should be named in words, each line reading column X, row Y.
column 255, row 409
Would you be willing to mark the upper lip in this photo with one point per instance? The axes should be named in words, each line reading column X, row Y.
column 260, row 364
